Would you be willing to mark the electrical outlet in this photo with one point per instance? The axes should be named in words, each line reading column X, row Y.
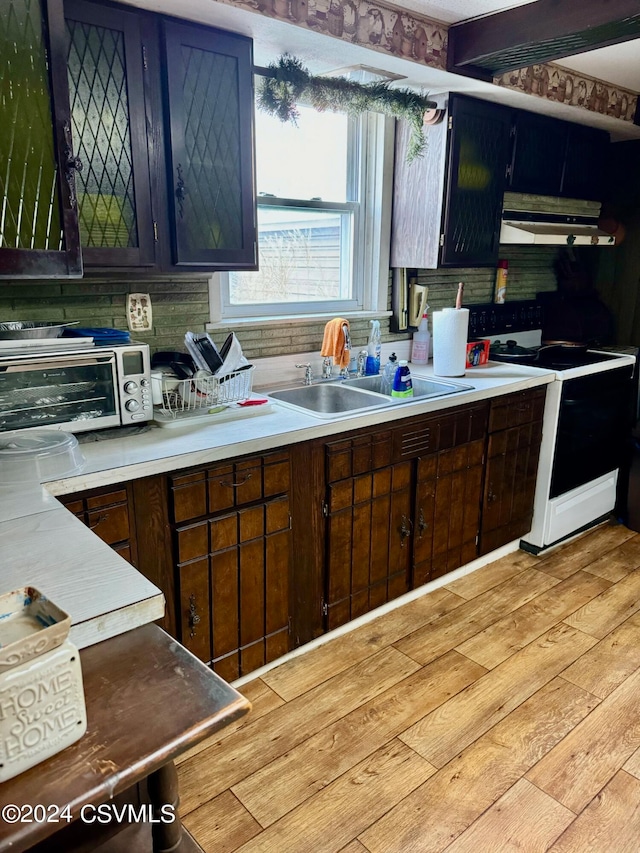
column 139, row 315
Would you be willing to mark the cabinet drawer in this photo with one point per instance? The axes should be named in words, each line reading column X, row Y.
column 516, row 409
column 111, row 524
column 223, row 487
column 351, row 456
column 106, row 512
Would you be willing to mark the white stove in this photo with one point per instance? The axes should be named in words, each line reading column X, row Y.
column 586, row 424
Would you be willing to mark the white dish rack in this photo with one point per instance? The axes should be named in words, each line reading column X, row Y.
column 184, row 398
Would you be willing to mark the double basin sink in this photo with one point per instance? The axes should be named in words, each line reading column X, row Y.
column 333, row 398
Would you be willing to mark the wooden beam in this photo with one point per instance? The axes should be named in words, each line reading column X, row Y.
column 539, row 32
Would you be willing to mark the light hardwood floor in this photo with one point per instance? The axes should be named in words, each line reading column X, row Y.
column 498, row 713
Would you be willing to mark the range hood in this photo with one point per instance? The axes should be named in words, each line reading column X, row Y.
column 550, row 221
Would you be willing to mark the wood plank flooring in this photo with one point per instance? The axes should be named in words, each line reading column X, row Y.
column 498, row 713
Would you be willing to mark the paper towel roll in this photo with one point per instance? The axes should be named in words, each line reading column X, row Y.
column 450, row 329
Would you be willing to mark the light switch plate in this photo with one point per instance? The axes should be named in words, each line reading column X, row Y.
column 139, row 314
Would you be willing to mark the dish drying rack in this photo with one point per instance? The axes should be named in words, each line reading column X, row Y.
column 188, row 398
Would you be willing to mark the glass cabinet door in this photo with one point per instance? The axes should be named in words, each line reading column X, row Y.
column 478, row 151
column 105, row 71
column 211, row 178
column 38, row 212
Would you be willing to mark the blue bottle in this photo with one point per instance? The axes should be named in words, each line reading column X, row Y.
column 372, row 366
column 402, row 386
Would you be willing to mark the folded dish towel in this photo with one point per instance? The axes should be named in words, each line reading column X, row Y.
column 337, row 341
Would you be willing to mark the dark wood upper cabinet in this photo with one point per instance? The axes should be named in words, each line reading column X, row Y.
column 105, row 67
column 556, row 158
column 38, row 213
column 538, row 154
column 211, row 171
column 587, row 151
column 162, row 118
column 477, row 157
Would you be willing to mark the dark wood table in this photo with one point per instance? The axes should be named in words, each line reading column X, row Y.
column 148, row 699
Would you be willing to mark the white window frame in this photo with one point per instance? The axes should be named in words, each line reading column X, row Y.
column 372, row 143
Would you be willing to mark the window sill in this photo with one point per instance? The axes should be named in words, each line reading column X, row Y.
column 290, row 320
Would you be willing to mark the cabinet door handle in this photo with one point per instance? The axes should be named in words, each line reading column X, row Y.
column 194, row 618
column 491, row 496
column 72, row 164
column 230, row 484
column 405, row 529
column 99, row 520
column 181, row 191
column 422, row 524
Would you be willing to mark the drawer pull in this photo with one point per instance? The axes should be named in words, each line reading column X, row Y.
column 194, row 618
column 99, row 520
column 405, row 530
column 229, row 484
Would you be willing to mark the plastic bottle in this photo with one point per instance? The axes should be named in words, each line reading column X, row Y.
column 500, row 290
column 389, row 371
column 421, row 341
column 374, row 347
column 402, row 386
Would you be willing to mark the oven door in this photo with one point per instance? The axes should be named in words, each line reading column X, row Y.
column 593, row 428
column 74, row 391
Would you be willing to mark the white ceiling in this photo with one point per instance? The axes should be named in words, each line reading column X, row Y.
column 321, row 54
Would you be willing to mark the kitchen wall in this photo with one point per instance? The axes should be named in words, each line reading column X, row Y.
column 182, row 302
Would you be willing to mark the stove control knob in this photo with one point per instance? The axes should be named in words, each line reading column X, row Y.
column 132, row 405
column 130, row 387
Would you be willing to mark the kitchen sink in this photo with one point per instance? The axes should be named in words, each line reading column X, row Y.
column 353, row 396
column 421, row 387
column 330, row 400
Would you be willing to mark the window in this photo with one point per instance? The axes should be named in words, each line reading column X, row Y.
column 320, row 218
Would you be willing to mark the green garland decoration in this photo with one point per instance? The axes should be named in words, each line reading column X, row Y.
column 287, row 82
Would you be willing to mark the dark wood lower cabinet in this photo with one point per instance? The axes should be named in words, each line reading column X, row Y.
column 368, row 516
column 108, row 512
column 457, row 507
column 513, row 451
column 368, row 551
column 234, row 585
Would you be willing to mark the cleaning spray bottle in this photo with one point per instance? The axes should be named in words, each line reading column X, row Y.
column 421, row 340
column 374, row 346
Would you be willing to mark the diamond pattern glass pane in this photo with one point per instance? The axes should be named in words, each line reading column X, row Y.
column 100, row 123
column 212, row 202
column 29, row 203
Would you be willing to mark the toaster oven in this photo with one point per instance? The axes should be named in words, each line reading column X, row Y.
column 75, row 388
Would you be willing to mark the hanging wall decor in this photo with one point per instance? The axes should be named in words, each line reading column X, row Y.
column 287, row 82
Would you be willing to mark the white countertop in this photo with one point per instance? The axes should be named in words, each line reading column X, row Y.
column 42, row 544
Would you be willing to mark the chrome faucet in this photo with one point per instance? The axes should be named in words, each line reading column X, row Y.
column 362, row 362
column 327, row 366
column 308, row 373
